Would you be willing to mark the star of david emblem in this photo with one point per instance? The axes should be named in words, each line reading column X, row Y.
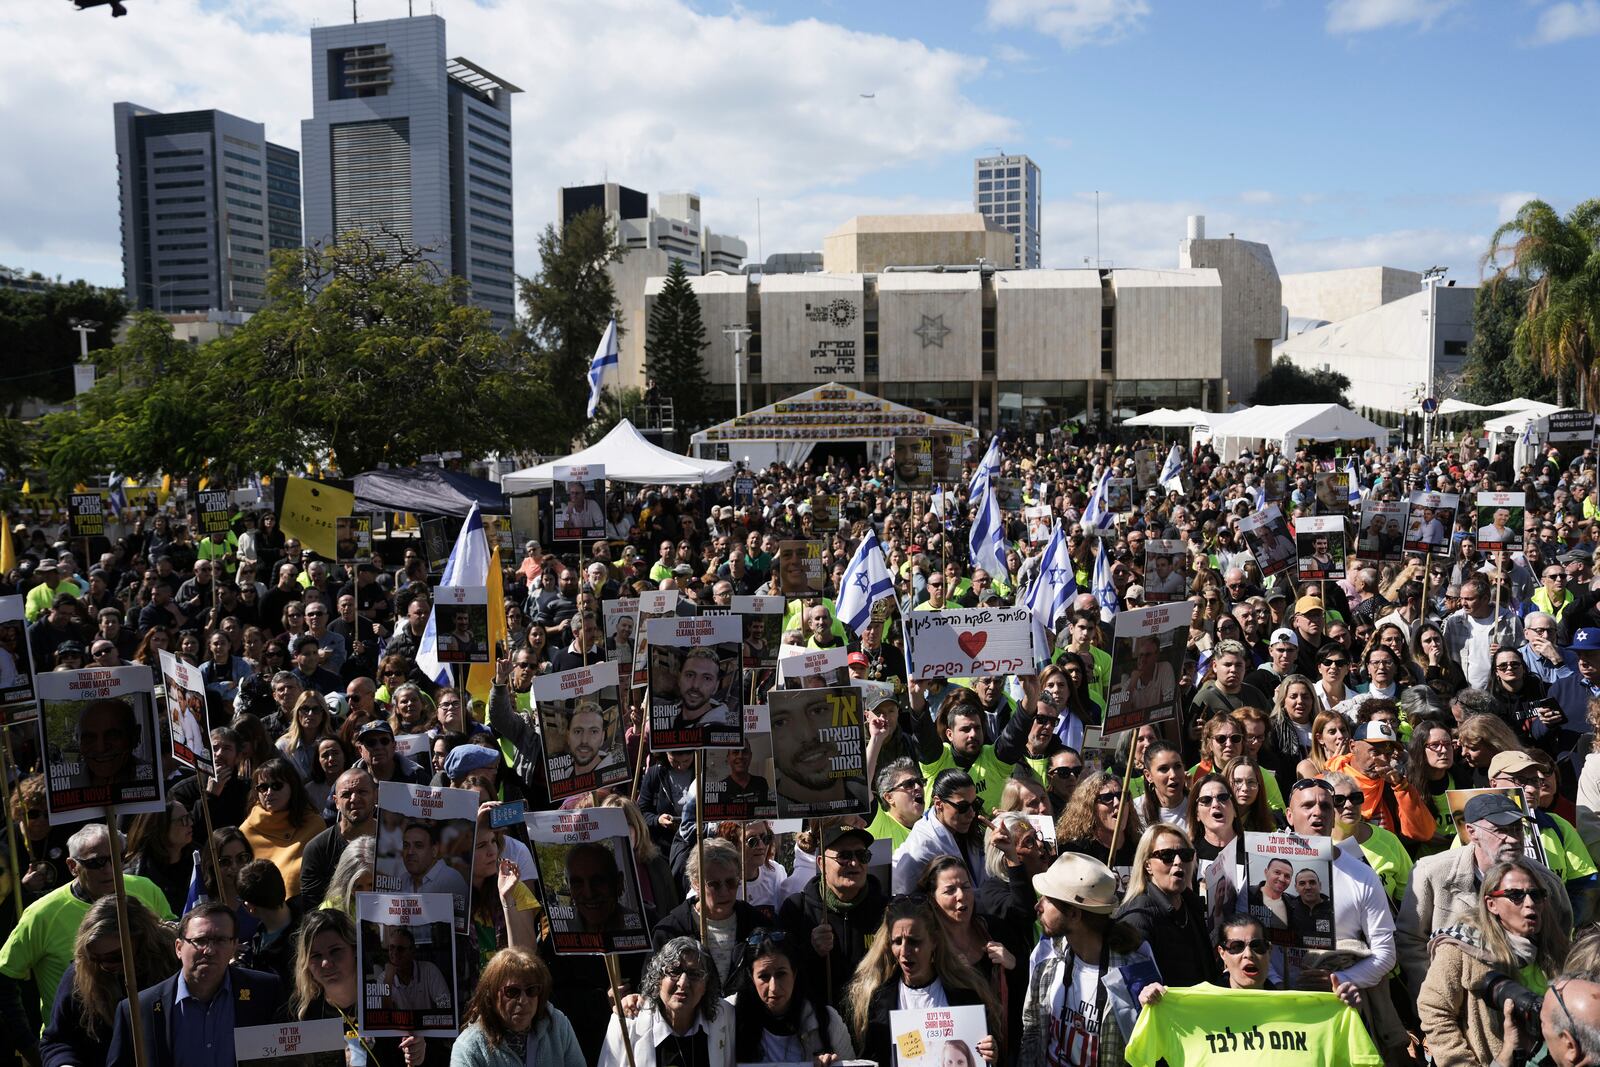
column 932, row 331
column 1056, row 574
column 861, row 580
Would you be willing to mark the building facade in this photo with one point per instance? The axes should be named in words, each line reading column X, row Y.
column 409, row 146
column 204, row 199
column 1254, row 317
column 1007, row 190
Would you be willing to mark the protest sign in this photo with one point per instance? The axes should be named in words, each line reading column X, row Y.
column 186, row 714
column 800, row 568
column 436, row 542
column 87, row 517
column 1119, row 495
column 1383, row 524
column 98, row 734
column 498, row 532
column 1319, row 547
column 581, row 725
column 1432, row 517
column 1500, row 521
column 1289, row 887
column 812, row 668
column 307, row 510
column 588, row 881
column 948, row 452
column 1146, row 662
column 739, row 780
column 1038, row 518
column 1008, row 491
column 744, row 487
column 969, row 642
column 425, row 840
column 308, row 1043
column 1209, row 1024
column 1166, row 571
column 1456, row 800
column 620, row 616
column 1331, row 493
column 913, row 462
column 461, row 623
column 819, row 752
column 216, row 511
column 579, row 502
column 695, row 676
column 1569, row 432
column 1147, row 464
column 937, row 1037
column 1266, row 534
column 825, row 512
column 654, row 604
column 763, row 628
column 353, row 537
column 17, row 701
column 406, row 957
column 1275, row 484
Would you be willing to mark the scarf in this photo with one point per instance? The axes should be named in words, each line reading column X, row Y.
column 832, row 902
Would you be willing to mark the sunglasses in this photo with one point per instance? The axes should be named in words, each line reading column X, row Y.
column 1256, row 946
column 1209, row 799
column 961, row 807
column 912, row 784
column 1517, row 896
column 269, row 787
column 1064, row 772
column 1167, row 855
column 1307, row 783
column 1107, row 798
column 1354, row 798
column 851, row 855
column 93, row 863
column 758, row 840
column 516, row 992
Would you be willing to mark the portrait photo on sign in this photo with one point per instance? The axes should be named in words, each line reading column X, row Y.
column 762, row 618
column 406, row 956
column 1266, row 534
column 937, row 1037
column 1276, row 483
column 425, row 841
column 99, row 736
column 185, row 707
column 1500, row 521
column 1119, row 495
column 1147, row 652
column 352, row 536
column 1319, row 547
column 948, row 450
column 1431, row 521
column 1331, row 493
column 696, row 675
column 1383, row 528
column 1147, row 463
column 16, row 663
column 1289, row 887
column 621, row 616
column 653, row 604
column 739, row 780
column 819, row 743
column 578, row 502
column 813, row 668
column 461, row 623
column 587, row 881
column 913, row 462
column 582, row 728
column 800, row 568
column 1166, row 571
column 825, row 512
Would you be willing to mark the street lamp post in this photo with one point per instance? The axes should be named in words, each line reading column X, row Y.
column 1431, row 278
column 737, row 332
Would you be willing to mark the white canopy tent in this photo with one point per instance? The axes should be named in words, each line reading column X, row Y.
column 1539, row 407
column 1453, row 406
column 627, row 457
column 1157, row 417
column 1286, row 425
column 1184, row 418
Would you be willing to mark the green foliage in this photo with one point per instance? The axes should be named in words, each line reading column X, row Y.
column 1287, row 383
column 614, row 407
column 360, row 356
column 674, row 340
column 1559, row 259
column 567, row 305
column 36, row 333
column 1495, row 371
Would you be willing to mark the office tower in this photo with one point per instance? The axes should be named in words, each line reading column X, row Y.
column 408, row 146
column 1006, row 190
column 204, row 197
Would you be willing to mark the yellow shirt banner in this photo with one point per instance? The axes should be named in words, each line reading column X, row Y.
column 308, row 512
column 1210, row 1025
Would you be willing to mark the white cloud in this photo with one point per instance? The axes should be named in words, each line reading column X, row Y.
column 1566, row 21
column 651, row 93
column 1508, row 204
column 1072, row 22
column 1359, row 16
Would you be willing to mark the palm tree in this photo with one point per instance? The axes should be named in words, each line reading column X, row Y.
column 1559, row 258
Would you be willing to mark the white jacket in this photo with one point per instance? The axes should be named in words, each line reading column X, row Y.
column 649, row 1029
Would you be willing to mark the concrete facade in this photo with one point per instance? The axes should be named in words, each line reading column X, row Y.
column 1342, row 294
column 930, row 326
column 1168, row 323
column 723, row 298
column 1047, row 324
column 812, row 328
column 866, row 244
column 1253, row 293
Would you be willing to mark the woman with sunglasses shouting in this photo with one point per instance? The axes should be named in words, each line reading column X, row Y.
column 953, row 825
column 510, row 1021
column 1511, row 930
column 1161, row 903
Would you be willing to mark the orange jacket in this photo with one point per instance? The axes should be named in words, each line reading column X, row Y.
column 1415, row 814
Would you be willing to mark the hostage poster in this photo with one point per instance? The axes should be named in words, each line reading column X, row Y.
column 1147, row 650
column 16, row 663
column 582, row 728
column 819, row 752
column 588, row 881
column 695, row 674
column 426, row 835
column 406, row 957
column 739, row 780
column 937, row 1037
column 1266, row 534
column 186, row 714
column 99, row 737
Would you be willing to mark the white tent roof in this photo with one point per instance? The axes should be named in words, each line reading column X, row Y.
column 1184, row 417
column 1286, row 424
column 1157, row 417
column 1513, row 423
column 627, row 457
column 1538, row 407
column 1453, row 406
column 831, row 412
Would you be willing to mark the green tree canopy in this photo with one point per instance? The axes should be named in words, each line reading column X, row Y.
column 36, row 330
column 674, row 340
column 1495, row 371
column 1288, row 383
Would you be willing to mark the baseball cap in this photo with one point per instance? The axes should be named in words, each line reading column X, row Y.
column 1492, row 807
column 1307, row 604
column 857, row 659
column 1283, row 635
column 683, row 570
column 1079, row 880
column 1510, row 762
column 376, row 726
column 837, row 834
column 1376, row 731
column 1587, row 639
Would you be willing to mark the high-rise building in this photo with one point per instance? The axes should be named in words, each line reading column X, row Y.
column 1006, row 190
column 204, row 199
column 406, row 145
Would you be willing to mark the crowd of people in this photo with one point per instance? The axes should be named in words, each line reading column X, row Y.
column 1073, row 886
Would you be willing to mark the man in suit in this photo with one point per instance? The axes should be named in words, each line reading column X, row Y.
column 190, row 1017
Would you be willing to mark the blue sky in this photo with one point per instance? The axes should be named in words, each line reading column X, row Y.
column 1342, row 133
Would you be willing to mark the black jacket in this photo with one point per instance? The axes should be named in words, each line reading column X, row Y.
column 682, row 921
column 258, row 999
column 1177, row 936
column 803, row 912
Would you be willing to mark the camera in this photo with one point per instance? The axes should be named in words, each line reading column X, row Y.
column 1497, row 989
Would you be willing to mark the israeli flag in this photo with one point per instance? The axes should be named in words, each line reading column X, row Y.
column 197, row 887
column 1052, row 591
column 468, row 565
column 1095, row 516
column 605, row 356
column 1101, row 585
column 1261, row 495
column 866, row 581
column 988, row 467
column 1202, row 665
column 118, row 498
column 987, row 539
column 1355, row 483
column 1171, row 469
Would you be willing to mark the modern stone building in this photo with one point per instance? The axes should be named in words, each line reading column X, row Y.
column 1253, row 318
column 204, row 199
column 407, row 144
column 869, row 243
column 1332, row 295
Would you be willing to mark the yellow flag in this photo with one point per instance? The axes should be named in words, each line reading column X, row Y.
column 8, row 553
column 309, row 509
column 481, row 677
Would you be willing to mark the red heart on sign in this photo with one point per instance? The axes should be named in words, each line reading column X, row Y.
column 972, row 642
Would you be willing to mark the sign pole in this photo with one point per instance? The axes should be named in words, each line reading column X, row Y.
column 700, row 834
column 822, row 882
column 1123, row 802
column 205, row 815
column 616, row 1005
column 130, row 978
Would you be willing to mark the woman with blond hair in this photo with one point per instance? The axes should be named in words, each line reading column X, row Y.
column 1330, row 737
column 1161, row 903
column 326, row 985
column 510, row 1021
column 309, row 723
column 1090, row 820
column 80, row 1024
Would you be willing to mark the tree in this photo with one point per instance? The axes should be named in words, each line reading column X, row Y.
column 1495, row 371
column 361, row 355
column 36, row 328
column 1288, row 383
column 568, row 304
column 675, row 337
column 1559, row 259
column 614, row 407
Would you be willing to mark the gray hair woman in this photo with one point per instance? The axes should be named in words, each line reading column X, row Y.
column 680, row 1009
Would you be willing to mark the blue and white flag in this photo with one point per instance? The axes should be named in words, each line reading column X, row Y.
column 1095, row 515
column 1202, row 665
column 1171, row 469
column 988, row 467
column 1260, row 494
column 118, row 499
column 1052, row 591
column 1355, row 484
column 197, row 887
column 605, row 357
column 1101, row 585
column 987, row 539
column 866, row 581
column 468, row 565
